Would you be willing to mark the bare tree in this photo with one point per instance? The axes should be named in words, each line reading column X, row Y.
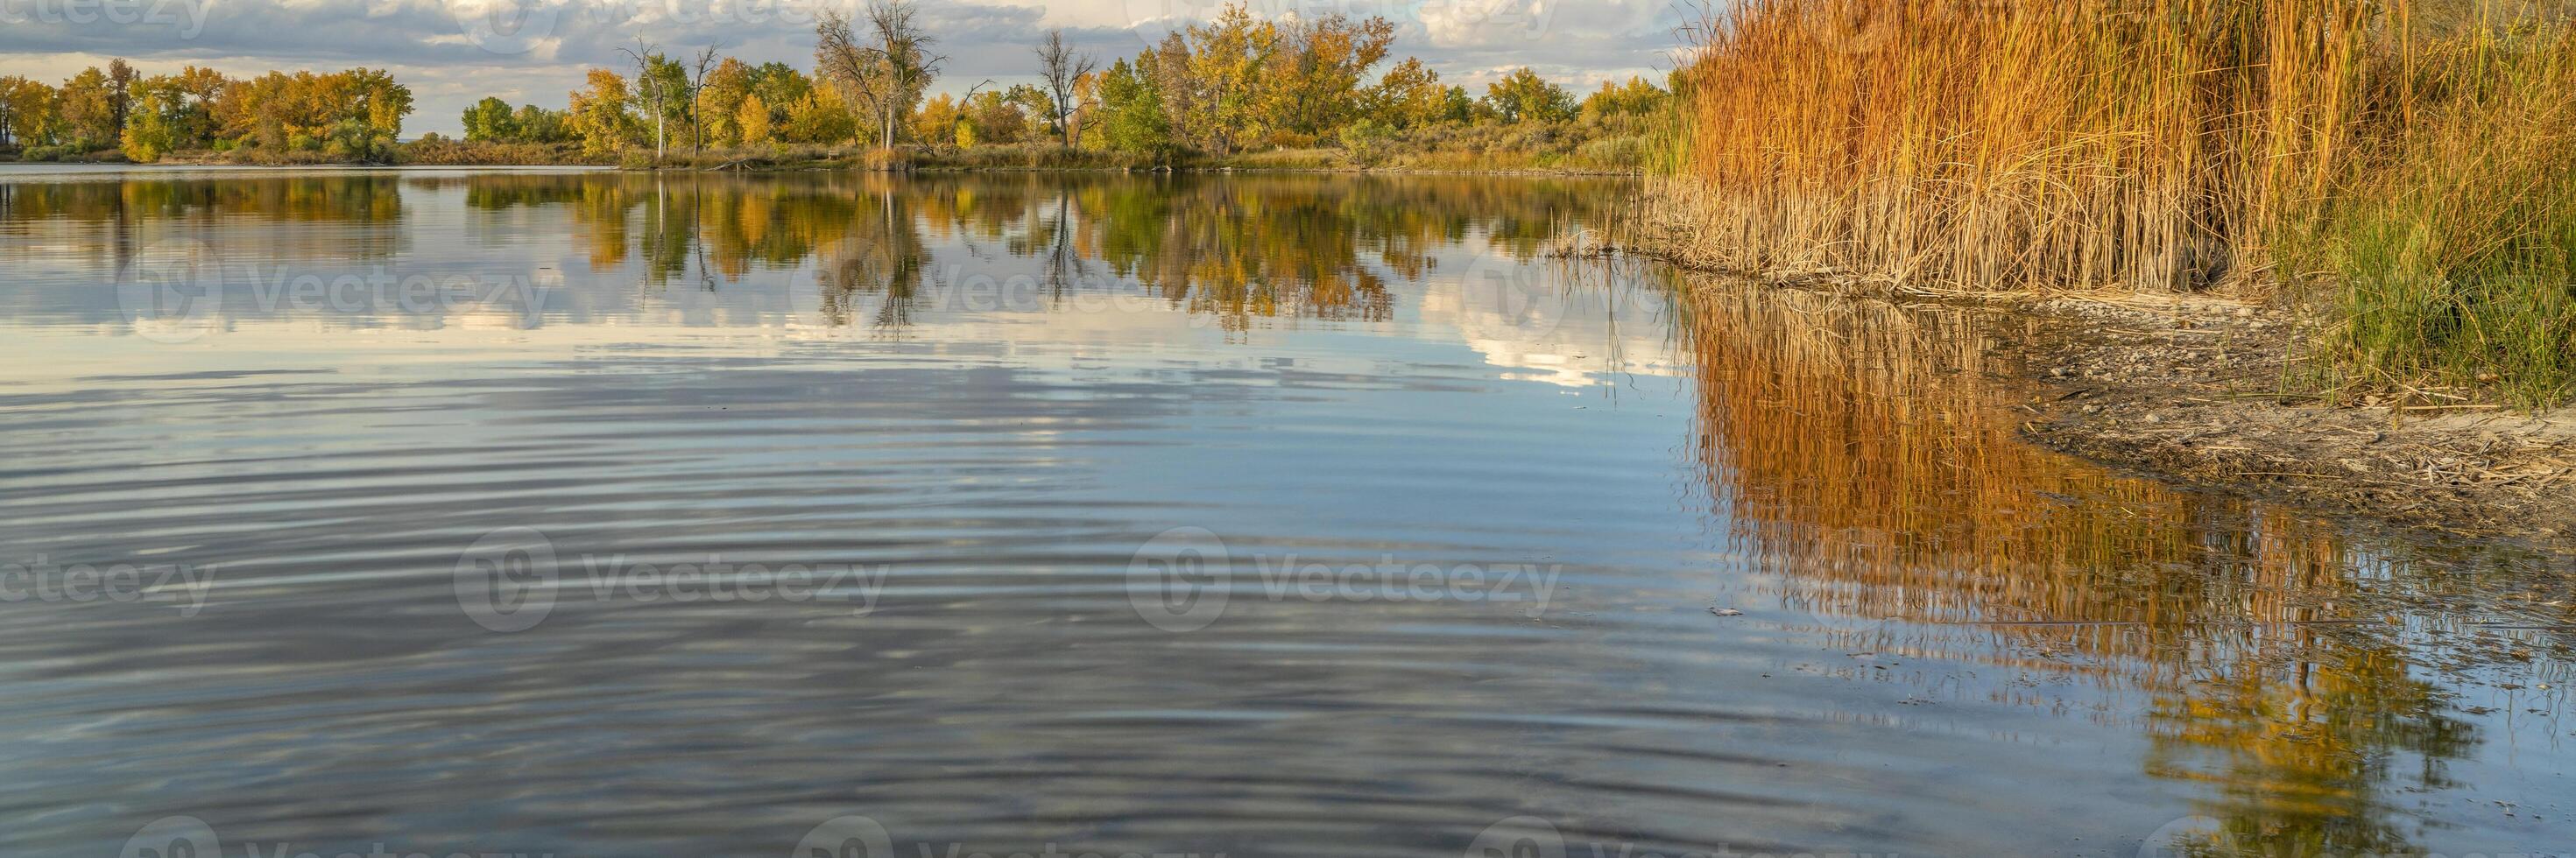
column 648, row 87
column 1062, row 69
column 884, row 63
column 705, row 63
column 841, row 61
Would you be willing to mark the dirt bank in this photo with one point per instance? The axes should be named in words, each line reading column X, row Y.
column 2191, row 391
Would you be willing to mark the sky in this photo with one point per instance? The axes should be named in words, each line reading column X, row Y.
column 452, row 53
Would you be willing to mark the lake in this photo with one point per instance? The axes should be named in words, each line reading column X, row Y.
column 532, row 512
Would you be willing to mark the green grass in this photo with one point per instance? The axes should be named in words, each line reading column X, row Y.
column 2450, row 260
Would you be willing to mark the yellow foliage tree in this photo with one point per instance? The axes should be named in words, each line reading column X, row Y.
column 600, row 115
column 937, row 121
column 752, row 121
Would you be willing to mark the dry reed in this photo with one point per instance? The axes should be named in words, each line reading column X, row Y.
column 2415, row 161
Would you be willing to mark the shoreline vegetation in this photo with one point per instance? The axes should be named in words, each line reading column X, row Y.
column 2318, row 248
column 2406, row 168
column 992, row 158
column 1235, row 92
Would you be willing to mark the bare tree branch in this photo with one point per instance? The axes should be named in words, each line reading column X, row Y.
column 649, row 86
column 887, row 75
column 1062, row 69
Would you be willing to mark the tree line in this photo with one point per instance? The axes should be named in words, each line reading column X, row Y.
column 353, row 114
column 1235, row 84
column 1232, row 85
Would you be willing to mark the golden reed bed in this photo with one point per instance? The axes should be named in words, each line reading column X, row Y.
column 2407, row 165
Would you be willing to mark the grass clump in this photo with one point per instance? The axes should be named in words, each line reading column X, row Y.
column 2450, row 255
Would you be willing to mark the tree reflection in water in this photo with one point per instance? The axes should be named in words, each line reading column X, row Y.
column 1233, row 249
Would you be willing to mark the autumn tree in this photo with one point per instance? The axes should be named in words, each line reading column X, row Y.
column 1457, row 106
column 822, row 117
column 993, row 117
column 1523, row 96
column 380, row 100
column 357, row 113
column 937, row 121
column 154, row 111
column 1409, row 95
column 1216, row 74
column 199, row 89
column 780, row 85
column 1316, row 68
column 751, row 121
column 256, row 111
column 1637, row 97
column 8, row 107
column 720, row 99
column 1086, row 105
column 601, row 114
column 24, row 111
column 86, row 110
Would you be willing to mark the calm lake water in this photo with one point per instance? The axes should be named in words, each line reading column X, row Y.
column 603, row 514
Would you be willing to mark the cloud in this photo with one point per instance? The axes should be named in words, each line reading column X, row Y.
column 453, row 52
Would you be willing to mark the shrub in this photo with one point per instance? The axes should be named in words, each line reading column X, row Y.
column 1366, row 140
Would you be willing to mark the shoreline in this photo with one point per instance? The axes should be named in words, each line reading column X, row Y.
column 902, row 160
column 2194, row 395
column 2203, row 390
column 2187, row 390
column 848, row 166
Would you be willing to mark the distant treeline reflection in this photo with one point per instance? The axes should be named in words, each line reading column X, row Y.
column 1236, row 248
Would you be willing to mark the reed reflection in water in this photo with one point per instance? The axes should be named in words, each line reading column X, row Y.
column 1867, row 453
